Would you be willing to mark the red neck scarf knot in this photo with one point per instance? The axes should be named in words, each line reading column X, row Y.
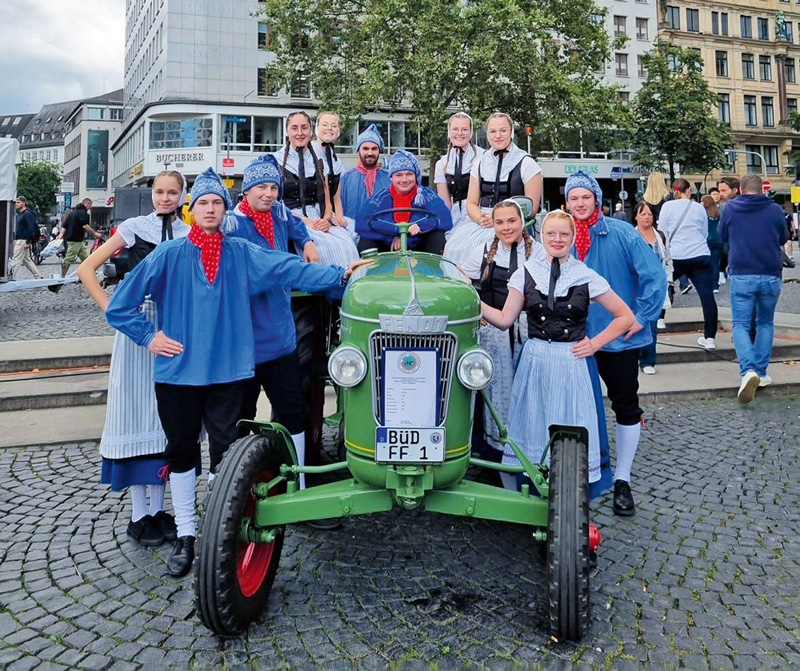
column 582, row 238
column 402, row 200
column 370, row 175
column 262, row 221
column 210, row 250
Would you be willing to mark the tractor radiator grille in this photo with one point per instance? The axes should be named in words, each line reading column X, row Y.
column 444, row 343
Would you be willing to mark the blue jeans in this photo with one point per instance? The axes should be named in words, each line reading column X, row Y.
column 647, row 354
column 749, row 292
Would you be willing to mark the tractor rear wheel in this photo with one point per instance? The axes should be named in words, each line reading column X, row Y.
column 568, row 539
column 233, row 578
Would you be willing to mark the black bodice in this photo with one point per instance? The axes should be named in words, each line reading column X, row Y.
column 566, row 322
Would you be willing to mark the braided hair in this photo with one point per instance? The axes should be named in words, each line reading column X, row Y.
column 526, row 238
column 319, row 174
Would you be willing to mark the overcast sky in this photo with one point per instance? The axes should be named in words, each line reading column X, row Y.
column 57, row 50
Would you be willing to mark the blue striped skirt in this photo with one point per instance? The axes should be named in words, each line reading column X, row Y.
column 552, row 386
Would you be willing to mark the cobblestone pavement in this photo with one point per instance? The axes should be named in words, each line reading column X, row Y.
column 705, row 576
column 39, row 314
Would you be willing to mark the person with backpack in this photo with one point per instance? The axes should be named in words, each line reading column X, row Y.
column 75, row 229
column 26, row 232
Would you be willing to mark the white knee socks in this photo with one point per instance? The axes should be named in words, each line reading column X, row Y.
column 183, row 501
column 138, row 502
column 299, row 440
column 627, row 442
column 156, row 499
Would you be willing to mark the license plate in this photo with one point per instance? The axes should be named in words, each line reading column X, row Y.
column 409, row 446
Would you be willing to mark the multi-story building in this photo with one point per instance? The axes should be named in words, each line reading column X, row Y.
column 43, row 137
column 196, row 94
column 12, row 125
column 636, row 20
column 91, row 128
column 750, row 50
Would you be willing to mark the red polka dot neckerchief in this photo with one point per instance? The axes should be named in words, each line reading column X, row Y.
column 582, row 238
column 261, row 220
column 210, row 250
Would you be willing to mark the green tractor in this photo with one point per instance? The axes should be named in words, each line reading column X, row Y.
column 408, row 366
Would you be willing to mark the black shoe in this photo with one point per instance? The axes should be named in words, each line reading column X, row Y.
column 326, row 524
column 146, row 532
column 166, row 524
column 180, row 561
column 623, row 499
column 592, row 559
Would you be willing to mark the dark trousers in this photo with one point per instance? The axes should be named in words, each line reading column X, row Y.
column 698, row 270
column 281, row 381
column 716, row 255
column 184, row 410
column 620, row 372
column 432, row 242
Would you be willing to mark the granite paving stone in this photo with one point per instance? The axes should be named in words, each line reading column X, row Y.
column 703, row 577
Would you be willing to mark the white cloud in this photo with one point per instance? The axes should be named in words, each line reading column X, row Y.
column 57, row 50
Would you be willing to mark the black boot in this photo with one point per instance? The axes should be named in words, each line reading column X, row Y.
column 180, row 561
column 623, row 499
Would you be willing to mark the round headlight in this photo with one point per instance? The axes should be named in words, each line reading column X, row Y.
column 347, row 366
column 475, row 369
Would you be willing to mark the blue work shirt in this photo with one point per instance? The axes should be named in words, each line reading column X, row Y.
column 211, row 321
column 619, row 253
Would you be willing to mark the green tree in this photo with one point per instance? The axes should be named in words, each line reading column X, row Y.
column 38, row 182
column 535, row 60
column 675, row 114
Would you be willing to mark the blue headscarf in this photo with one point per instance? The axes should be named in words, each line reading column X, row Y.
column 582, row 180
column 207, row 182
column 370, row 134
column 263, row 170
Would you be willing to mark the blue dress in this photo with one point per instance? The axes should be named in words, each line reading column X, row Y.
column 552, row 385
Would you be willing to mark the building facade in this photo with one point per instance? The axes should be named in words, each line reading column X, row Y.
column 750, row 51
column 637, row 22
column 43, row 137
column 13, row 125
column 91, row 129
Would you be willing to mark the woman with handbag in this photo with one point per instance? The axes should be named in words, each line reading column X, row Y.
column 685, row 223
column 643, row 217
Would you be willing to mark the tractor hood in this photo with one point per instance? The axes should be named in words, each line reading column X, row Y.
column 411, row 285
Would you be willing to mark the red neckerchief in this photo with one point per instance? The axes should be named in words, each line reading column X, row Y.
column 210, row 250
column 402, row 200
column 262, row 221
column 370, row 174
column 582, row 238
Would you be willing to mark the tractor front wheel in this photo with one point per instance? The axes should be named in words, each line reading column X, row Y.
column 568, row 539
column 233, row 578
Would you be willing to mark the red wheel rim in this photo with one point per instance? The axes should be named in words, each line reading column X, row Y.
column 253, row 559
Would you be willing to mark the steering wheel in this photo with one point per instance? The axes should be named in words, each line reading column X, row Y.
column 402, row 227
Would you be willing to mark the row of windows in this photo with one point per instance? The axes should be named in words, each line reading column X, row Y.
column 73, row 149
column 261, row 134
column 753, row 154
column 300, row 87
column 40, row 155
column 621, row 65
column 749, row 67
column 621, row 27
column 41, row 137
column 719, row 24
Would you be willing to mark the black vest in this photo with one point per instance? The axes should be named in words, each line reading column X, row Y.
column 513, row 186
column 313, row 191
column 494, row 290
column 457, row 189
column 567, row 321
column 333, row 184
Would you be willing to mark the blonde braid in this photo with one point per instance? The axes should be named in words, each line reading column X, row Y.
column 490, row 258
column 526, row 237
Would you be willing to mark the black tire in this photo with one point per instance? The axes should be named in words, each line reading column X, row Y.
column 233, row 579
column 568, row 539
